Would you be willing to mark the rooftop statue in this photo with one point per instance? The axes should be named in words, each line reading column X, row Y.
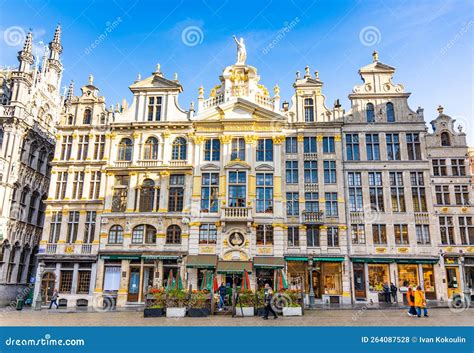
column 241, row 51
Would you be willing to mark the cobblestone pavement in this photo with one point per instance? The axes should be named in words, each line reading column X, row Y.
column 438, row 317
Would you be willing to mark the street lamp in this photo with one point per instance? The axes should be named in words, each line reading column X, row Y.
column 312, row 303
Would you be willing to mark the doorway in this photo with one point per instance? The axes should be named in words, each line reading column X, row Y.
column 47, row 286
column 452, row 277
column 133, row 284
column 359, row 281
column 148, row 276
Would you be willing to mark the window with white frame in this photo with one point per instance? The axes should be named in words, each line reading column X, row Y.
column 397, row 192
column 154, row 108
column 264, row 192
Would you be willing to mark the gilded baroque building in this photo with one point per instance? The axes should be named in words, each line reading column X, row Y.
column 340, row 202
column 30, row 105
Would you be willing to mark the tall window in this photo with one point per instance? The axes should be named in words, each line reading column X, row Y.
column 328, row 144
column 32, row 154
column 89, row 228
column 401, row 234
column 87, row 117
column 413, row 146
column 422, row 234
column 94, row 189
column 397, row 192
column 292, row 204
column 265, row 150
column 66, row 147
column 173, row 235
column 144, row 232
column 212, row 150
column 393, row 147
column 310, row 144
column 311, row 201
column 293, row 236
column 331, row 204
column 147, row 196
column 457, row 167
column 358, row 233
column 312, row 235
column 439, row 167
column 310, row 172
column 445, row 139
column 78, row 185
column 370, row 113
column 82, row 147
column 356, row 203
column 461, row 194
column 83, row 282
column 264, row 234
column 418, row 192
column 372, row 144
column 333, row 236
column 65, row 281
column 237, row 189
column 125, row 149
column 32, row 210
column 238, row 149
column 352, row 147
column 390, row 112
column 466, row 230
column 376, row 192
column 61, row 184
column 292, row 172
column 115, row 235
column 151, row 149
column 154, row 108
column 41, row 159
column 330, row 172
column 446, row 229
column 442, row 195
column 179, row 149
column 264, row 192
column 55, row 227
column 119, row 199
column 379, row 234
column 207, row 233
column 209, row 192
column 176, row 193
column 308, row 110
column 99, row 146
column 291, row 145
column 72, row 227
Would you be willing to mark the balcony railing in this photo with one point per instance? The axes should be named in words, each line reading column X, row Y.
column 422, row 217
column 236, row 213
column 357, row 217
column 86, row 248
column 213, row 101
column 313, row 217
column 149, row 163
column 265, row 101
column 122, row 164
column 310, row 156
column 51, row 248
column 177, row 163
column 311, row 187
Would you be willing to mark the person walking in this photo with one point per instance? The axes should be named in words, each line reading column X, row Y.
column 268, row 302
column 411, row 302
column 386, row 292
column 222, row 294
column 54, row 299
column 420, row 302
column 393, row 290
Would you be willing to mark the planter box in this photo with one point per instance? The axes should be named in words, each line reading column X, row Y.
column 260, row 312
column 292, row 311
column 245, row 311
column 154, row 312
column 175, row 312
column 198, row 312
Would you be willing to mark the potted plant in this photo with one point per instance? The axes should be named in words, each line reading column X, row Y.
column 260, row 303
column 245, row 305
column 176, row 303
column 198, row 304
column 290, row 303
column 155, row 303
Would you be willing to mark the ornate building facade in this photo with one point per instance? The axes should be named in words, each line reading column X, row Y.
column 30, row 106
column 342, row 202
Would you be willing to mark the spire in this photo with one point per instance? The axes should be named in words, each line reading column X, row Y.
column 25, row 56
column 28, row 43
column 57, row 34
column 55, row 47
column 70, row 91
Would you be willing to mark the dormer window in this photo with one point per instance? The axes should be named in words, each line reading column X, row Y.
column 154, row 108
column 445, row 140
column 87, row 117
column 308, row 110
column 370, row 114
column 390, row 112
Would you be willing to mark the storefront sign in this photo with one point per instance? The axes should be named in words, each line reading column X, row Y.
column 451, row 260
column 402, row 250
column 380, row 250
column 264, row 250
column 207, row 249
column 120, row 257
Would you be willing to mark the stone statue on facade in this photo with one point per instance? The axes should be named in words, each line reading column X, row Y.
column 241, row 51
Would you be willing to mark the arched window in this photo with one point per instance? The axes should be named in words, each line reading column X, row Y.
column 116, row 235
column 22, row 263
column 41, row 160
column 144, row 232
column 390, row 112
column 179, row 149
column 11, row 261
column 24, row 196
column 31, row 265
column 125, row 148
column 32, row 154
column 87, row 116
column 32, row 209
column 445, row 139
column 151, row 148
column 147, row 195
column 3, row 250
column 70, row 120
column 173, row 235
column 370, row 113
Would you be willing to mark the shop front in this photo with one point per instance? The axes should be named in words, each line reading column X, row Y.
column 198, row 267
column 469, row 273
column 453, row 275
column 231, row 272
column 265, row 269
column 297, row 273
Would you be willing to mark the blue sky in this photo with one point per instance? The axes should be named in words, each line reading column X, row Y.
column 431, row 43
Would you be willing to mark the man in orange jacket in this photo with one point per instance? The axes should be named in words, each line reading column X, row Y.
column 420, row 302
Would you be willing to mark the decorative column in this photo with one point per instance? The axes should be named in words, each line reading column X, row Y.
column 164, row 191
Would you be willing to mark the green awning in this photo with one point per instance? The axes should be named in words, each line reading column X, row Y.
column 201, row 261
column 296, row 258
column 329, row 259
column 268, row 262
column 373, row 259
column 417, row 261
column 234, row 266
column 120, row 257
